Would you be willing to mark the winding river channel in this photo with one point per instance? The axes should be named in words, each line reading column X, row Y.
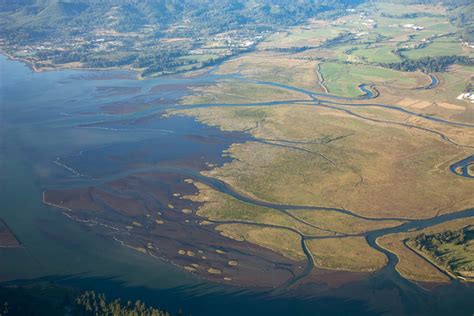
column 461, row 168
column 73, row 129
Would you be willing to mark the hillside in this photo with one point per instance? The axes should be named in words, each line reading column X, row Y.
column 157, row 37
column 153, row 36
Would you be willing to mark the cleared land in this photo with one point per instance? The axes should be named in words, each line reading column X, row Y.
column 342, row 79
column 378, row 54
column 312, row 34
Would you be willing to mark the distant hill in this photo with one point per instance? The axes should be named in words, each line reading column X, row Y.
column 461, row 13
column 163, row 36
column 153, row 36
column 53, row 16
column 463, row 16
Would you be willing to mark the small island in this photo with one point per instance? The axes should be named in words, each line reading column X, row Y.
column 451, row 251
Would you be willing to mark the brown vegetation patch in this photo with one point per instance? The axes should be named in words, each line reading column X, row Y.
column 347, row 254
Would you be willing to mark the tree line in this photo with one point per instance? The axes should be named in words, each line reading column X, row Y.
column 430, row 64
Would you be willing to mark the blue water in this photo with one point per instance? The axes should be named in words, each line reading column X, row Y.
column 463, row 165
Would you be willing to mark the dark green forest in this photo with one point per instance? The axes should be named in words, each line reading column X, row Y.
column 53, row 300
column 442, row 247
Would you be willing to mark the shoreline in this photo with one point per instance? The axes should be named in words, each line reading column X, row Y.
column 136, row 72
column 31, row 65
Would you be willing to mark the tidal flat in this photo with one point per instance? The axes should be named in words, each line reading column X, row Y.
column 273, row 186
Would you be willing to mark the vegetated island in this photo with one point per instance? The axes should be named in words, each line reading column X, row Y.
column 450, row 250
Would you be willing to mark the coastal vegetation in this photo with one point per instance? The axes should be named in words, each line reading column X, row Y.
column 452, row 250
column 219, row 207
column 422, row 264
column 280, row 240
column 282, row 231
column 346, row 127
column 230, row 92
column 295, row 149
column 321, row 163
column 346, row 254
column 42, row 299
column 384, row 160
column 342, row 223
column 97, row 304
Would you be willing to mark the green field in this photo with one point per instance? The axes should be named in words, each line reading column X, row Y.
column 441, row 47
column 300, row 36
column 200, row 58
column 380, row 54
column 344, row 79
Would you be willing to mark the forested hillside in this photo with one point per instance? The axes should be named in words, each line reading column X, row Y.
column 41, row 17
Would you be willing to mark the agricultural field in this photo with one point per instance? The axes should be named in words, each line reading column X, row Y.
column 310, row 35
column 377, row 54
column 343, row 79
column 270, row 67
column 439, row 47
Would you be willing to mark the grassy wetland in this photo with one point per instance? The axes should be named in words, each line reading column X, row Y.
column 316, row 167
column 335, row 161
column 316, row 159
column 317, row 151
